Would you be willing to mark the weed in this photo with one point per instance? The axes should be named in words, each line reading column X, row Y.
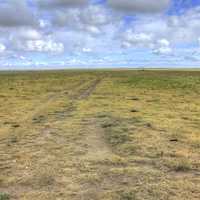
column 4, row 196
column 180, row 165
column 134, row 110
column 127, row 196
column 15, row 125
column 14, row 139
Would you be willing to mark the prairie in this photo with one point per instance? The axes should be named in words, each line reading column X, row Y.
column 100, row 135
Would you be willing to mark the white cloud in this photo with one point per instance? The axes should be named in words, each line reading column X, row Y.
column 2, row 48
column 186, row 27
column 90, row 19
column 70, row 18
column 82, row 27
column 163, row 43
column 78, row 41
column 92, row 29
column 163, row 47
column 163, row 51
column 27, row 34
column 33, row 40
column 95, row 15
column 139, row 6
column 143, row 40
column 137, row 39
column 182, row 29
column 43, row 46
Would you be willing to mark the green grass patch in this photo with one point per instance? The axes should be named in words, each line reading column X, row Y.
column 4, row 196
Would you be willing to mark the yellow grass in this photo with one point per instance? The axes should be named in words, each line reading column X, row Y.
column 100, row 135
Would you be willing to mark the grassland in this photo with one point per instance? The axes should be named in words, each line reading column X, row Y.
column 100, row 135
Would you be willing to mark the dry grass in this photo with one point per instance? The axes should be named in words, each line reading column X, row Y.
column 101, row 135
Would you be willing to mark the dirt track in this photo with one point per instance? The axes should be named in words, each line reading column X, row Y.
column 35, row 145
column 100, row 136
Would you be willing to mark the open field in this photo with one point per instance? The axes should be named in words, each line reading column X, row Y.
column 100, row 135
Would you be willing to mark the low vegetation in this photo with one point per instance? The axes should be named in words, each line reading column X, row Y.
column 4, row 196
column 100, row 135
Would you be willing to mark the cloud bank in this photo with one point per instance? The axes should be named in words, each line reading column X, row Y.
column 139, row 6
column 100, row 32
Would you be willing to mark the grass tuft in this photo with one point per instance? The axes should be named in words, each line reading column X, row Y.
column 127, row 196
column 4, row 196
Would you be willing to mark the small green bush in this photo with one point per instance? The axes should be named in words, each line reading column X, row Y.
column 127, row 196
column 4, row 196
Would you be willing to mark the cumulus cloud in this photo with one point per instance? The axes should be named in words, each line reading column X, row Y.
column 163, row 47
column 43, row 46
column 94, row 28
column 2, row 48
column 163, row 51
column 185, row 27
column 26, row 34
column 163, row 43
column 34, row 41
column 70, row 18
column 90, row 19
column 95, row 15
column 179, row 29
column 76, row 42
column 139, row 6
column 83, row 41
column 137, row 39
column 16, row 13
column 143, row 40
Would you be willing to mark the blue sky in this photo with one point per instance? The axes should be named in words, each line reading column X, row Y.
column 38, row 34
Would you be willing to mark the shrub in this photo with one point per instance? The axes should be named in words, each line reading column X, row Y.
column 4, row 196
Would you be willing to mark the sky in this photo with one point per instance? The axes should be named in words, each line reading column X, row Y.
column 53, row 34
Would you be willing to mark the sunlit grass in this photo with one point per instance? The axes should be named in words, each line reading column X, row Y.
column 111, row 135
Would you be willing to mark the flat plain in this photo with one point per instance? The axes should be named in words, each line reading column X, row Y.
column 100, row 135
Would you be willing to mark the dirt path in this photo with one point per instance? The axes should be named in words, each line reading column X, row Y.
column 88, row 91
column 97, row 147
column 79, row 92
column 45, row 158
column 85, row 91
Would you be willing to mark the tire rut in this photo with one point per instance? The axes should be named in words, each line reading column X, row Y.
column 84, row 93
column 44, row 136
